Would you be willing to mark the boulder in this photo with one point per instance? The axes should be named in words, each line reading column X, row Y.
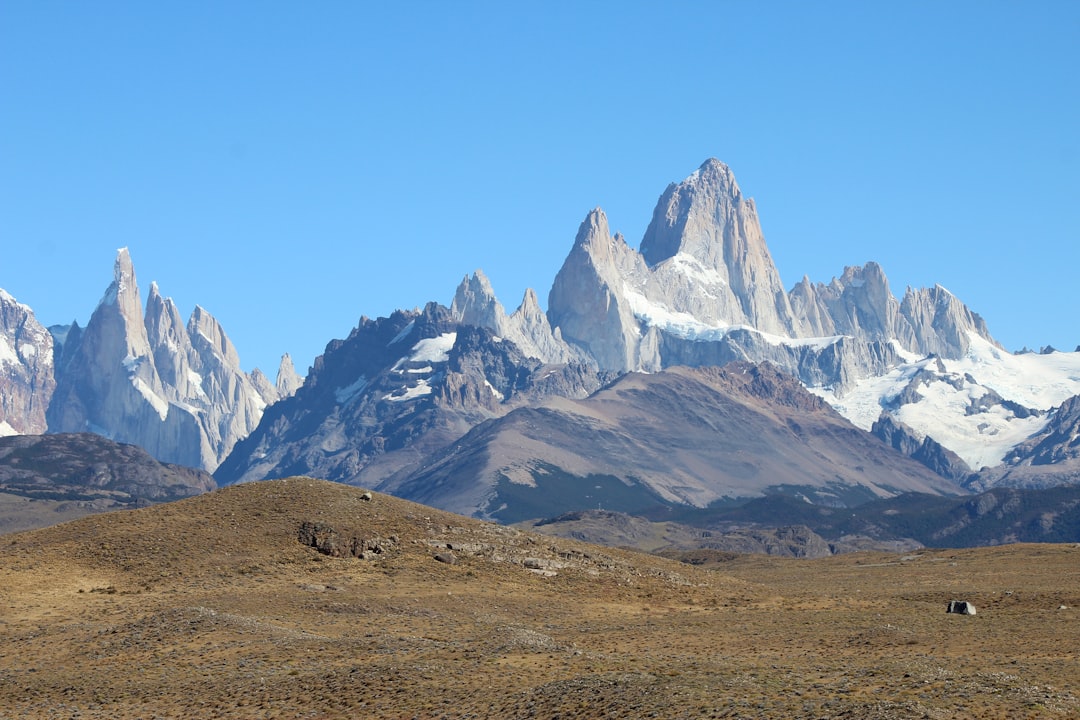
column 961, row 607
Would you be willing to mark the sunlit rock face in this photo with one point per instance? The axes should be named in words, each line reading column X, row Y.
column 174, row 389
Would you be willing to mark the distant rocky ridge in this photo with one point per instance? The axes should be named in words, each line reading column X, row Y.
column 65, row 475
column 697, row 545
column 377, row 404
column 782, row 525
column 683, row 436
column 148, row 379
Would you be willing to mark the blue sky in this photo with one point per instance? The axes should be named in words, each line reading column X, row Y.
column 291, row 167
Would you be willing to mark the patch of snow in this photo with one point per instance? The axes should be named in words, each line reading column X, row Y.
column 688, row 327
column 692, row 268
column 158, row 403
column 1040, row 382
column 345, row 394
column 817, row 343
column 421, row 370
column 28, row 350
column 8, row 355
column 131, row 362
column 404, row 333
column 436, row 349
column 196, row 380
column 907, row 355
column 1033, row 380
column 680, row 324
column 5, row 429
column 498, row 395
column 411, row 393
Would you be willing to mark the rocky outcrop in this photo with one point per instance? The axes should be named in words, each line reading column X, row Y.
column 288, row 380
column 333, row 543
column 26, row 369
column 175, row 390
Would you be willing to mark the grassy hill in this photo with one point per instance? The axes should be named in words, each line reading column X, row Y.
column 221, row 606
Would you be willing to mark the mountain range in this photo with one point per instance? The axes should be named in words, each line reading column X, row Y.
column 135, row 376
column 678, row 374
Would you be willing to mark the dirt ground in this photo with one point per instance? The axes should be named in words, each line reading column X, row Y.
column 212, row 608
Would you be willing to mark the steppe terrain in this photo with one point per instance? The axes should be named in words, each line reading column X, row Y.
column 212, row 607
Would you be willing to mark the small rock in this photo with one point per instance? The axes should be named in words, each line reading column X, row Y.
column 445, row 557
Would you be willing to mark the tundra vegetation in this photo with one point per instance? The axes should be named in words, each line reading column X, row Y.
column 305, row 599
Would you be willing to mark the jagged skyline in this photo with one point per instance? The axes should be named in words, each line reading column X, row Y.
column 294, row 174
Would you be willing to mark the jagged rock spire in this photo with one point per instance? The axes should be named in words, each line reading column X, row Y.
column 177, row 391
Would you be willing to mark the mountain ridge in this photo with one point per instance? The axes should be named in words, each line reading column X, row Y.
column 173, row 388
column 701, row 291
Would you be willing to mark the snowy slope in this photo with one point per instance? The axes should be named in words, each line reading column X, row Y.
column 979, row 406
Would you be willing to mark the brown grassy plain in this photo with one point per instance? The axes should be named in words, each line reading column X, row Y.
column 211, row 608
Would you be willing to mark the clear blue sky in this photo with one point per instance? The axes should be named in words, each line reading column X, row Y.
column 293, row 166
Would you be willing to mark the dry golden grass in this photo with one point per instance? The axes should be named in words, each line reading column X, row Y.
column 211, row 608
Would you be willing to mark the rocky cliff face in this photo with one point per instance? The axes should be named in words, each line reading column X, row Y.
column 704, row 231
column 588, row 304
column 26, row 369
column 174, row 389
